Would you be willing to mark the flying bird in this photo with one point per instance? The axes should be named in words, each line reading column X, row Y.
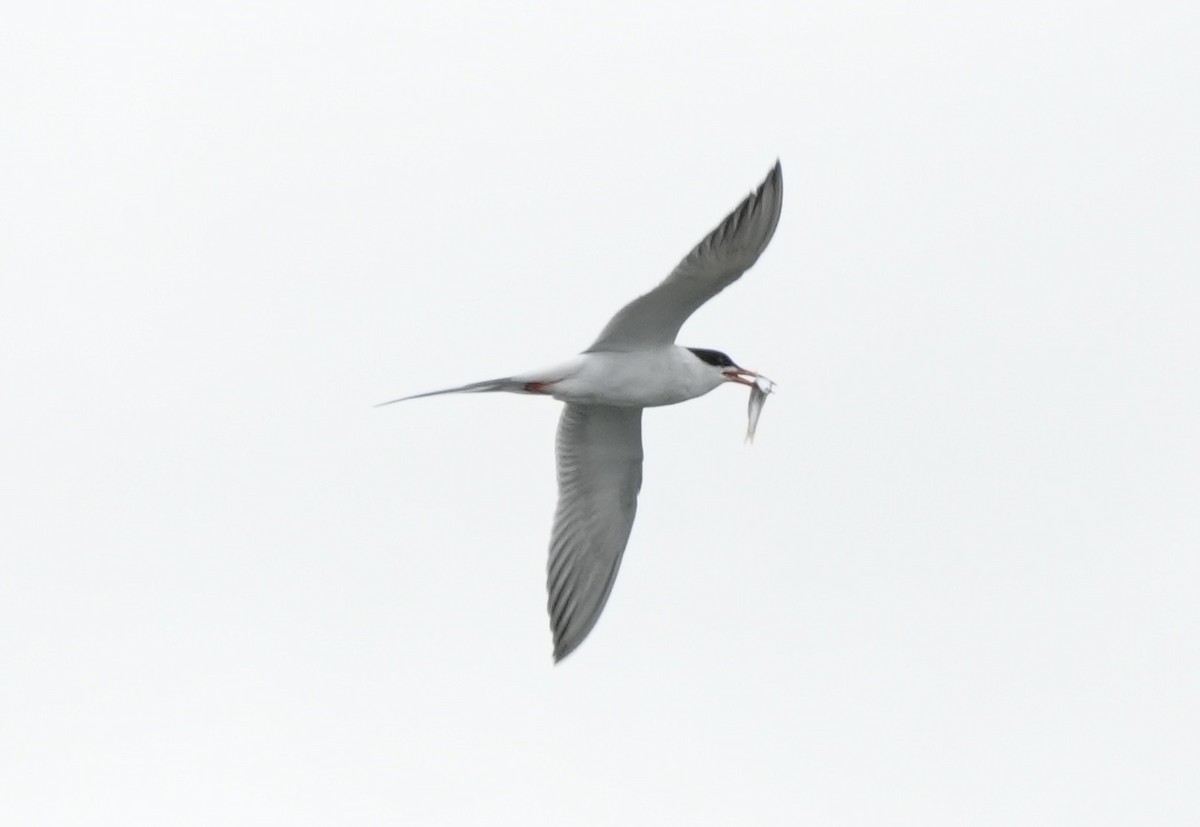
column 634, row 364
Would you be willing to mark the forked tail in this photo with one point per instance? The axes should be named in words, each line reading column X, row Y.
column 491, row 386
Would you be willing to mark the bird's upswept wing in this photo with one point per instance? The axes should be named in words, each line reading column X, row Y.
column 716, row 262
column 599, row 452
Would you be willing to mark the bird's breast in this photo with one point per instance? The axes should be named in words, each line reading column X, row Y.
column 642, row 379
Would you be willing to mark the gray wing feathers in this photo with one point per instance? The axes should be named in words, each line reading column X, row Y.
column 599, row 452
column 715, row 263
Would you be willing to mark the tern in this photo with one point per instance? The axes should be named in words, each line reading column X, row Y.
column 634, row 364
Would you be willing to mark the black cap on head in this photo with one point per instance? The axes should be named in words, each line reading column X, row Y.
column 713, row 357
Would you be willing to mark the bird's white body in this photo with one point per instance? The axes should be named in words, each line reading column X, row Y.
column 640, row 379
column 634, row 364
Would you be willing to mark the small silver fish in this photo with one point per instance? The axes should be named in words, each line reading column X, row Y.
column 758, row 397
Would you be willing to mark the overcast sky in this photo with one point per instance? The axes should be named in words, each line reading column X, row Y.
column 953, row 582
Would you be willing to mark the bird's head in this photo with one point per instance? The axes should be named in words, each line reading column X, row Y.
column 726, row 367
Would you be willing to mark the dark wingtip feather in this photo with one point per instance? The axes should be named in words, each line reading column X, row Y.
column 768, row 195
column 564, row 647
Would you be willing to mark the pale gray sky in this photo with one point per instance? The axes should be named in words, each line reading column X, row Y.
column 953, row 582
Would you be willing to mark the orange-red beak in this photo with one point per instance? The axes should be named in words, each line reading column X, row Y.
column 741, row 376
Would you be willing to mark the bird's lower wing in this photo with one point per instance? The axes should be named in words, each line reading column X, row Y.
column 599, row 451
column 715, row 263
